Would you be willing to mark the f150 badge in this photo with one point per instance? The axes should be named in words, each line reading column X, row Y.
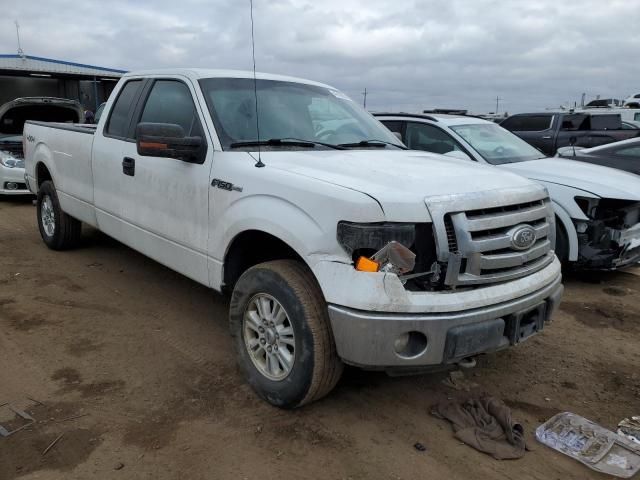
column 523, row 237
column 221, row 184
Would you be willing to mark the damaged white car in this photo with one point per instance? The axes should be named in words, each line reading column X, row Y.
column 12, row 117
column 597, row 208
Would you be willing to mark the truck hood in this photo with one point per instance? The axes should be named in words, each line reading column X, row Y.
column 13, row 114
column 399, row 180
column 602, row 181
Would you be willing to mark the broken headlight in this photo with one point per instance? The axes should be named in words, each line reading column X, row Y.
column 406, row 249
column 367, row 238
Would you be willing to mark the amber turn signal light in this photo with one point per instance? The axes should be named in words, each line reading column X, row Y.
column 365, row 264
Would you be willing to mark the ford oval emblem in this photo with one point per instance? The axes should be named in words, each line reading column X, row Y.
column 523, row 237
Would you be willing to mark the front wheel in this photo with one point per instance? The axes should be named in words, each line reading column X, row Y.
column 280, row 326
column 58, row 230
column 562, row 243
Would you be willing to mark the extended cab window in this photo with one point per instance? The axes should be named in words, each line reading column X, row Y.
column 118, row 124
column 527, row 123
column 421, row 136
column 170, row 101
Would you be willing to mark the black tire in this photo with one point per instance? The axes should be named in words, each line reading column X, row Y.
column 66, row 229
column 316, row 367
column 562, row 243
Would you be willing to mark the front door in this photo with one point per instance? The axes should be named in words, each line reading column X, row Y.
column 162, row 203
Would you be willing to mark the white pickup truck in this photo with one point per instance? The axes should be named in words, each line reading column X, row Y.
column 338, row 245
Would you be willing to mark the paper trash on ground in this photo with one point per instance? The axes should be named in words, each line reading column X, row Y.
column 598, row 448
column 630, row 428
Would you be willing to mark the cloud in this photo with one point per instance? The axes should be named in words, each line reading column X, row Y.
column 409, row 54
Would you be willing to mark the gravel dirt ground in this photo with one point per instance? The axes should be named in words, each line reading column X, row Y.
column 132, row 364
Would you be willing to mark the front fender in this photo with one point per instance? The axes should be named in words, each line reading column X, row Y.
column 567, row 210
column 284, row 220
column 572, row 235
column 309, row 229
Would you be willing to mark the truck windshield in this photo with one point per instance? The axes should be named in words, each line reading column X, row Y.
column 290, row 110
column 495, row 144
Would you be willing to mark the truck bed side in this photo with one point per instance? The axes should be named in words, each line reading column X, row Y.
column 62, row 152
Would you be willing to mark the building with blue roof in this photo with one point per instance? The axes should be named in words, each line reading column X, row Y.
column 29, row 76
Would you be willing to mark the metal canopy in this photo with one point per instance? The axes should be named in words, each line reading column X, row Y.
column 27, row 65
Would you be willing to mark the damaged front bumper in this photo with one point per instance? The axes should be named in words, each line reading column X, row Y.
column 608, row 248
column 392, row 341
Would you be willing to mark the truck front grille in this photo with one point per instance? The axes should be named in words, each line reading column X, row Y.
column 483, row 243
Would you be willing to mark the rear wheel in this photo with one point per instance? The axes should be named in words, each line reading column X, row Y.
column 58, row 230
column 280, row 326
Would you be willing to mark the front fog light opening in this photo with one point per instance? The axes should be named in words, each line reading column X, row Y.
column 410, row 344
column 11, row 186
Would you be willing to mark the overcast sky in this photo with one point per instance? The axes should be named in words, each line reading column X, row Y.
column 409, row 54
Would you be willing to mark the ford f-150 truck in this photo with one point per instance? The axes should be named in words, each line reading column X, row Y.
column 337, row 244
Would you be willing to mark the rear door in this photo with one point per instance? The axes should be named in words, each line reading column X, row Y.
column 590, row 130
column 537, row 130
column 162, row 203
column 107, row 153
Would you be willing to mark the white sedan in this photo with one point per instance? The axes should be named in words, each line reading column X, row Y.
column 12, row 167
column 597, row 208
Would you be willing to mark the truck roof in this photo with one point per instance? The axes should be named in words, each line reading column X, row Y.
column 199, row 73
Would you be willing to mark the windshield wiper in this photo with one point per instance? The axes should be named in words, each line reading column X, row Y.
column 288, row 142
column 372, row 143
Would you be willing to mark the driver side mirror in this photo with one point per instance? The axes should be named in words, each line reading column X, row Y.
column 169, row 141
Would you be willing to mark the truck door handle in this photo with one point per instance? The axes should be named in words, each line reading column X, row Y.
column 129, row 166
column 547, row 137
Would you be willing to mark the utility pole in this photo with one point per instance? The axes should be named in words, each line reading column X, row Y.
column 364, row 103
column 20, row 52
column 497, row 103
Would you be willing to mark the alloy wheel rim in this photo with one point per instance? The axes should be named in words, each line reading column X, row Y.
column 269, row 337
column 47, row 216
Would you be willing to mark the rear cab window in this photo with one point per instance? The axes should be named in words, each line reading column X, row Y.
column 528, row 123
column 119, row 119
